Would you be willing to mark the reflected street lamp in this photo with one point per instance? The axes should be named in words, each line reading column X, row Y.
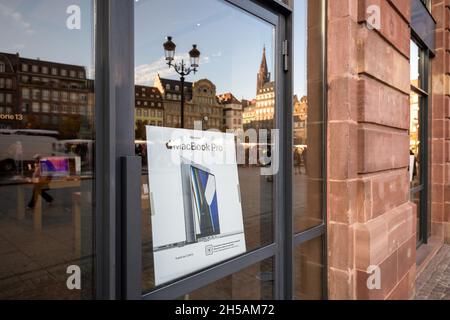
column 181, row 68
column 205, row 120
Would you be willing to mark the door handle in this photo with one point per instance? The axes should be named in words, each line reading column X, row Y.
column 131, row 228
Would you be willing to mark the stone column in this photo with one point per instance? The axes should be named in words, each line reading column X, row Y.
column 371, row 221
column 440, row 132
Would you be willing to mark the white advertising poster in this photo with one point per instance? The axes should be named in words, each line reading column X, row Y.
column 194, row 199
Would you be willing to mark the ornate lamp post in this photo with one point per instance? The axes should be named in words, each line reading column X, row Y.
column 181, row 68
column 205, row 120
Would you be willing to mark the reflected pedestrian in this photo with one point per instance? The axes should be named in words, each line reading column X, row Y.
column 41, row 185
column 305, row 158
column 297, row 161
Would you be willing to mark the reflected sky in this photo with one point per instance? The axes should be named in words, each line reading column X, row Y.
column 415, row 59
column 37, row 29
column 231, row 41
column 300, row 48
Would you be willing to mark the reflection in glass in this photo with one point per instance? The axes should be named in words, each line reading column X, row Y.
column 415, row 198
column 253, row 283
column 415, row 138
column 309, row 270
column 415, row 61
column 308, row 154
column 46, row 149
column 418, row 138
column 233, row 90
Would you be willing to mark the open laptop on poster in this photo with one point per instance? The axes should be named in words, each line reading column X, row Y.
column 201, row 210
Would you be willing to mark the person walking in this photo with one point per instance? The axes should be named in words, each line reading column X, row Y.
column 297, row 161
column 41, row 185
column 305, row 159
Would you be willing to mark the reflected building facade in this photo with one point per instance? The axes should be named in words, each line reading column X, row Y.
column 248, row 114
column 205, row 106
column 201, row 103
column 300, row 120
column 232, row 112
column 149, row 109
column 171, row 93
column 261, row 115
column 45, row 95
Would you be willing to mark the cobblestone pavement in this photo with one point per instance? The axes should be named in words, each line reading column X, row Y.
column 434, row 282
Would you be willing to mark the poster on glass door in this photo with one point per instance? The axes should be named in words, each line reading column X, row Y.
column 195, row 200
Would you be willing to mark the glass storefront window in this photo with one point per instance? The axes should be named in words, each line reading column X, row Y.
column 416, row 199
column 237, row 74
column 252, row 283
column 308, row 149
column 46, row 167
column 415, row 62
column 427, row 4
column 47, row 135
column 415, row 138
column 309, row 270
column 419, row 143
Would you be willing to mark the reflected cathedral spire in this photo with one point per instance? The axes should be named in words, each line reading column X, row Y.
column 263, row 74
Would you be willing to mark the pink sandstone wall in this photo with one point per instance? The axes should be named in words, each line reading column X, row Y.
column 440, row 158
column 370, row 218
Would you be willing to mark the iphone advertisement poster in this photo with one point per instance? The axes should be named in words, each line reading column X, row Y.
column 195, row 200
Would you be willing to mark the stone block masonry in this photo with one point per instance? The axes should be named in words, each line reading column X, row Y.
column 440, row 125
column 371, row 220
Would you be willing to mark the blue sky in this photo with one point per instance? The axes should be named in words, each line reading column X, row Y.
column 231, row 40
column 300, row 48
column 37, row 29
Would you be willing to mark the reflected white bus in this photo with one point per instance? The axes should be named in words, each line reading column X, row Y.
column 18, row 147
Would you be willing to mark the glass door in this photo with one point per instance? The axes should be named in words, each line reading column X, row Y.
column 418, row 171
column 209, row 71
column 309, row 151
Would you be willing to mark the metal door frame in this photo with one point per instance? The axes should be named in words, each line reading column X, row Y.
column 424, row 105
